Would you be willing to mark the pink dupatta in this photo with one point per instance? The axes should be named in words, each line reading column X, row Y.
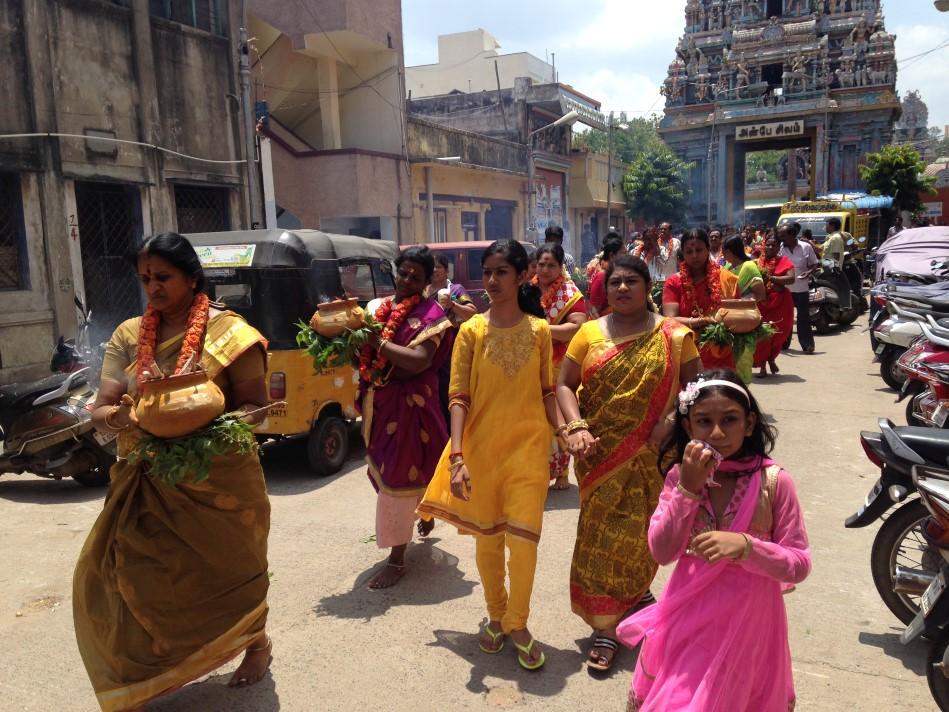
column 717, row 639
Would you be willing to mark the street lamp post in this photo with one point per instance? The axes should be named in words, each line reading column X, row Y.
column 567, row 119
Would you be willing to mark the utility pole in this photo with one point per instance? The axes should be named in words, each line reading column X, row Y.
column 250, row 131
column 609, row 174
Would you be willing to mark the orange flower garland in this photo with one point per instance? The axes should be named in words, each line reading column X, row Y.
column 192, row 344
column 767, row 268
column 714, row 289
column 371, row 368
column 549, row 297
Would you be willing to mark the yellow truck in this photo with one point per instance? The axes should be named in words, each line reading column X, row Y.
column 814, row 214
column 275, row 278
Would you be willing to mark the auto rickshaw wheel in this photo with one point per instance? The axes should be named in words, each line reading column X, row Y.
column 328, row 445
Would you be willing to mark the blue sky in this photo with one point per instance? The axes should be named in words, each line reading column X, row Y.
column 617, row 51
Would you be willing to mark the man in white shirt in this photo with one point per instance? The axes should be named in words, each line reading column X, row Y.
column 805, row 261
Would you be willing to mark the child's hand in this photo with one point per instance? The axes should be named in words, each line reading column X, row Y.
column 715, row 546
column 698, row 464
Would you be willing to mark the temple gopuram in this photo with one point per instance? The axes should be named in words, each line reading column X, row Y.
column 813, row 78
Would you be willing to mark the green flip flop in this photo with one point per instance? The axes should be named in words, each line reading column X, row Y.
column 494, row 639
column 526, row 650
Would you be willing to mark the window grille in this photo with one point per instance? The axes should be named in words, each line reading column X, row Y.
column 13, row 263
column 202, row 209
column 207, row 15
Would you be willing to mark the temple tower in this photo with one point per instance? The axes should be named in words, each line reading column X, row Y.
column 814, row 79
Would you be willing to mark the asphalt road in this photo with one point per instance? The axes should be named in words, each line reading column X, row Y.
column 339, row 646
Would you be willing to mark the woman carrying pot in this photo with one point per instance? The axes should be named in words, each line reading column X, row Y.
column 694, row 295
column 750, row 286
column 172, row 580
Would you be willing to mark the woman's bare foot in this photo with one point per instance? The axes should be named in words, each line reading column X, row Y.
column 773, row 365
column 561, row 483
column 425, row 527
column 762, row 373
column 254, row 666
column 390, row 575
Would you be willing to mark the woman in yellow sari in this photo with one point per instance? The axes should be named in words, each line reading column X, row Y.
column 172, row 581
column 618, row 383
column 502, row 404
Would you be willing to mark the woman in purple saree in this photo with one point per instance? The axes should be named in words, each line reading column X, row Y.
column 403, row 426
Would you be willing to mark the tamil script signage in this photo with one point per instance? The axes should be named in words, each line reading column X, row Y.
column 780, row 129
column 933, row 210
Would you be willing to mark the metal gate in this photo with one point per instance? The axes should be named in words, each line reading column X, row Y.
column 110, row 228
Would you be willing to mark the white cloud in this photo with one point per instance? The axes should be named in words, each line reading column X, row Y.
column 625, row 26
column 634, row 93
column 929, row 74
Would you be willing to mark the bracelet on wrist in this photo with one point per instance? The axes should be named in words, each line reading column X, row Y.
column 453, row 455
column 748, row 545
column 575, row 425
column 688, row 493
column 108, row 420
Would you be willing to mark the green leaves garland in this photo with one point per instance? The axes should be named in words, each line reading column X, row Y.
column 328, row 353
column 719, row 335
column 174, row 460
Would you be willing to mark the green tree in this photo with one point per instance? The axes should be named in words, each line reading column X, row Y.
column 940, row 142
column 631, row 137
column 656, row 186
column 897, row 171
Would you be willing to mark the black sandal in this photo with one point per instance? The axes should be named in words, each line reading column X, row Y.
column 601, row 663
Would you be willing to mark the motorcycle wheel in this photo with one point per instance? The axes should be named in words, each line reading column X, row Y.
column 938, row 682
column 99, row 476
column 900, row 542
column 821, row 323
column 891, row 375
column 847, row 316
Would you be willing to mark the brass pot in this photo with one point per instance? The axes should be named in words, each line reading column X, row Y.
column 740, row 316
column 176, row 406
column 332, row 319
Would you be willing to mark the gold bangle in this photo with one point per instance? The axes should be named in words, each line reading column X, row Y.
column 748, row 545
column 575, row 425
column 688, row 493
column 109, row 424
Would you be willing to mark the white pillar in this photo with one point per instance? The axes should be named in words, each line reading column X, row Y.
column 266, row 169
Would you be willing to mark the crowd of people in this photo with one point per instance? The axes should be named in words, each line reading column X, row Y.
column 473, row 418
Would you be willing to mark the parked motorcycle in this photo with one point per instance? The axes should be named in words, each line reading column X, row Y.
column 46, row 425
column 902, row 308
column 926, row 366
column 932, row 619
column 899, row 546
column 831, row 298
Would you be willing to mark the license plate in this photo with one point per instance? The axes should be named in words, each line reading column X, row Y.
column 880, row 349
column 914, row 629
column 104, row 438
column 932, row 594
column 941, row 415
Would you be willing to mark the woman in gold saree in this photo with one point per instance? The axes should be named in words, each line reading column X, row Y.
column 172, row 580
column 616, row 387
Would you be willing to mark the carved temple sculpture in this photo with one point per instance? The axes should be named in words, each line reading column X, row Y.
column 829, row 64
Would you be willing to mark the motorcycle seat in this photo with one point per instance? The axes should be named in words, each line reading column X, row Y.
column 19, row 395
column 932, row 444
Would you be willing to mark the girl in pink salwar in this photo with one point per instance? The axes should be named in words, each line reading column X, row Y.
column 717, row 640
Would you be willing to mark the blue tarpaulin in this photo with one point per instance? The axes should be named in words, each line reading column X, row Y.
column 861, row 201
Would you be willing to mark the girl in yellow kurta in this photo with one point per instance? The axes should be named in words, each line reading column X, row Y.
column 172, row 580
column 492, row 478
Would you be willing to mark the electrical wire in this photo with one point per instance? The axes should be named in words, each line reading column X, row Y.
column 119, row 140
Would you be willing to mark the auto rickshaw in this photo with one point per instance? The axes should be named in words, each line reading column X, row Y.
column 275, row 278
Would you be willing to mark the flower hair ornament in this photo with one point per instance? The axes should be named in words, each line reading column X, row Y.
column 690, row 394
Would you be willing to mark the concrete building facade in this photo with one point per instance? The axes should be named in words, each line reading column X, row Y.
column 329, row 85
column 108, row 139
column 521, row 117
column 469, row 62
